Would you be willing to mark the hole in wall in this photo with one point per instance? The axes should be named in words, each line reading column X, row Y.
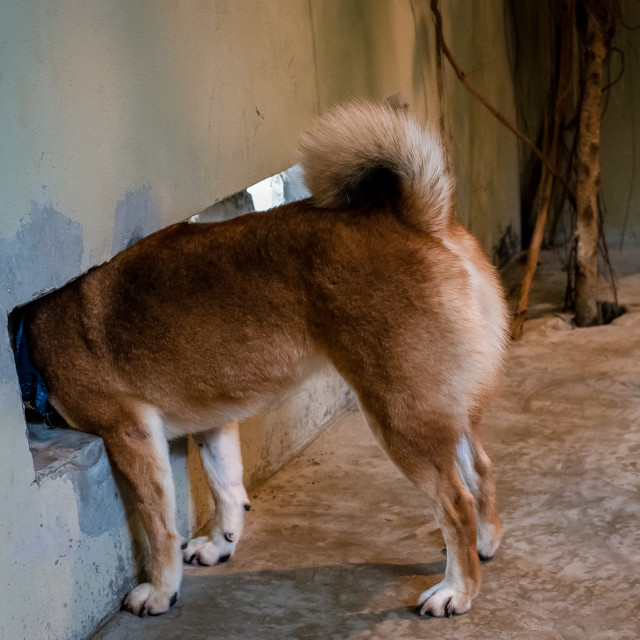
column 52, row 443
column 284, row 187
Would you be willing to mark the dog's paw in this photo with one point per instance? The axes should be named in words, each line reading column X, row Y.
column 443, row 600
column 146, row 599
column 210, row 551
column 489, row 537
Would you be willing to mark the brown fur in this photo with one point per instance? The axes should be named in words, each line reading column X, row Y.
column 200, row 323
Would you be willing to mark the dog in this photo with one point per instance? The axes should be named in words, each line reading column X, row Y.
column 199, row 325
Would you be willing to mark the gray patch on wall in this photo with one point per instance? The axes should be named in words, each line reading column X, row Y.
column 45, row 253
column 137, row 215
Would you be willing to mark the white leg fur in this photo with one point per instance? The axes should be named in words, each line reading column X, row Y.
column 464, row 464
column 466, row 459
column 222, row 461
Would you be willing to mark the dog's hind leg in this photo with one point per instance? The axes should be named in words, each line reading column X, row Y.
column 136, row 444
column 222, row 461
column 424, row 448
column 475, row 470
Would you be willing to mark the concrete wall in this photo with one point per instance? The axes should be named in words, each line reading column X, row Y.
column 118, row 118
column 485, row 154
column 620, row 147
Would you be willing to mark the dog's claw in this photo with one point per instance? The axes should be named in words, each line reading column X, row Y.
column 448, row 609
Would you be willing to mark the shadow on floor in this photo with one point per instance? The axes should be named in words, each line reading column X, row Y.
column 335, row 601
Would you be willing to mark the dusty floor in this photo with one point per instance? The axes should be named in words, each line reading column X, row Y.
column 339, row 545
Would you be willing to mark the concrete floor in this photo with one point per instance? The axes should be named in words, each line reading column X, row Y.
column 339, row 545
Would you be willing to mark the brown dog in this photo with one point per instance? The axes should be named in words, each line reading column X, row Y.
column 201, row 324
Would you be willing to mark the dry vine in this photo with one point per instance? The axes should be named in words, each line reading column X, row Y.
column 592, row 24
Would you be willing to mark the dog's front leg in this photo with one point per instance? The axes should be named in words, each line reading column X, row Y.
column 139, row 449
column 222, row 461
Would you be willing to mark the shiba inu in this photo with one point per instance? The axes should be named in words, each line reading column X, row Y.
column 199, row 325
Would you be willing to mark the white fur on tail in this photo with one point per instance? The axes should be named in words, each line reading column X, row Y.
column 356, row 150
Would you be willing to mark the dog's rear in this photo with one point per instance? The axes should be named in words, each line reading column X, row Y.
column 201, row 324
column 436, row 325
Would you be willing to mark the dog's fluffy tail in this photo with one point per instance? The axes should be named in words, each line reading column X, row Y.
column 363, row 154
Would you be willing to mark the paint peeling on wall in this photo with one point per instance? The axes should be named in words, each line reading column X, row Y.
column 44, row 253
column 137, row 215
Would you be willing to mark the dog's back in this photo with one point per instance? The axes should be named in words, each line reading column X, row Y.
column 198, row 315
column 202, row 324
